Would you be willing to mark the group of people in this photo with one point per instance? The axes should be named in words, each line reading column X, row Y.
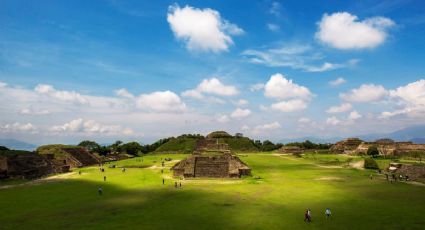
column 394, row 177
column 307, row 214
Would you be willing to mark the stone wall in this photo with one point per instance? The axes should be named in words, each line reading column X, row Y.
column 206, row 166
column 415, row 172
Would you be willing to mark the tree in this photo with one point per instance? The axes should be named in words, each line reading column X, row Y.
column 131, row 148
column 373, row 151
column 116, row 147
column 89, row 145
column 3, row 148
column 370, row 163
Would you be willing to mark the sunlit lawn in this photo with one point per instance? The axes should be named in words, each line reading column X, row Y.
column 136, row 199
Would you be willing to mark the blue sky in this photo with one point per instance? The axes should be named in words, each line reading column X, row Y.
column 142, row 70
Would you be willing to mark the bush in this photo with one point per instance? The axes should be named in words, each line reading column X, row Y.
column 370, row 163
column 373, row 151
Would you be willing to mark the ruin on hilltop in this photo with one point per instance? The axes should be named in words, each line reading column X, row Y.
column 211, row 158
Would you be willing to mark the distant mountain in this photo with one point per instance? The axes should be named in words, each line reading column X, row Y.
column 415, row 134
column 418, row 140
column 16, row 144
column 408, row 133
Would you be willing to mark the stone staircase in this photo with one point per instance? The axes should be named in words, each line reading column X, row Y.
column 211, row 167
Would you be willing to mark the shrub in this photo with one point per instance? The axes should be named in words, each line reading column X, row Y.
column 373, row 151
column 370, row 163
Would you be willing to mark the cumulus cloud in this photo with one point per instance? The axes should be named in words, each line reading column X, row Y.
column 240, row 102
column 211, row 86
column 90, row 127
column 290, row 105
column 410, row 98
column 278, row 87
column 337, row 82
column 223, row 119
column 161, row 101
column 365, row 93
column 124, row 93
column 333, row 121
column 345, row 107
column 240, row 113
column 344, row 31
column 62, row 95
column 354, row 115
column 291, row 96
column 201, row 29
column 18, row 127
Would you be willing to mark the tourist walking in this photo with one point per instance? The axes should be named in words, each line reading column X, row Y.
column 328, row 213
column 100, row 190
column 371, row 176
column 163, row 181
column 175, row 184
column 104, row 178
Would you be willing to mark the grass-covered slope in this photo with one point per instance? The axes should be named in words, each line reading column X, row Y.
column 239, row 144
column 54, row 149
column 137, row 199
column 179, row 145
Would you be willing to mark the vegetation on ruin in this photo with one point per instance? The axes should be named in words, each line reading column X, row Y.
column 275, row 197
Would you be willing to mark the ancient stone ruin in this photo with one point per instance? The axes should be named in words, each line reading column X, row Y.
column 291, row 149
column 415, row 172
column 384, row 146
column 30, row 165
column 211, row 159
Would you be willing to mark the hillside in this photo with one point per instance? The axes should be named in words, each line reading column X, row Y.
column 181, row 144
column 239, row 144
column 55, row 149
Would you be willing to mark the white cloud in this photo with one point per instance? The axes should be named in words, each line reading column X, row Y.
column 290, row 105
column 241, row 102
column 411, row 99
column 304, row 120
column 62, row 95
column 245, row 128
column 337, row 82
column 275, row 8
column 279, row 87
column 124, row 93
column 296, row 57
column 90, row 127
column 161, row 101
column 344, row 31
column 201, row 29
column 333, row 121
column 365, row 93
column 240, row 113
column 354, row 115
column 345, row 107
column 223, row 119
column 2, row 84
column 32, row 111
column 18, row 127
column 256, row 87
column 211, row 86
column 292, row 97
column 273, row 27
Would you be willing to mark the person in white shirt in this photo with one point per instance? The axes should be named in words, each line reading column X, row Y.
column 328, row 213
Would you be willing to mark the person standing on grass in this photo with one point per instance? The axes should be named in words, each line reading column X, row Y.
column 104, row 178
column 175, row 184
column 328, row 213
column 100, row 190
column 306, row 216
column 309, row 215
column 371, row 176
column 163, row 181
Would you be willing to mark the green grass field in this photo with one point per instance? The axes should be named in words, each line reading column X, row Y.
column 137, row 199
